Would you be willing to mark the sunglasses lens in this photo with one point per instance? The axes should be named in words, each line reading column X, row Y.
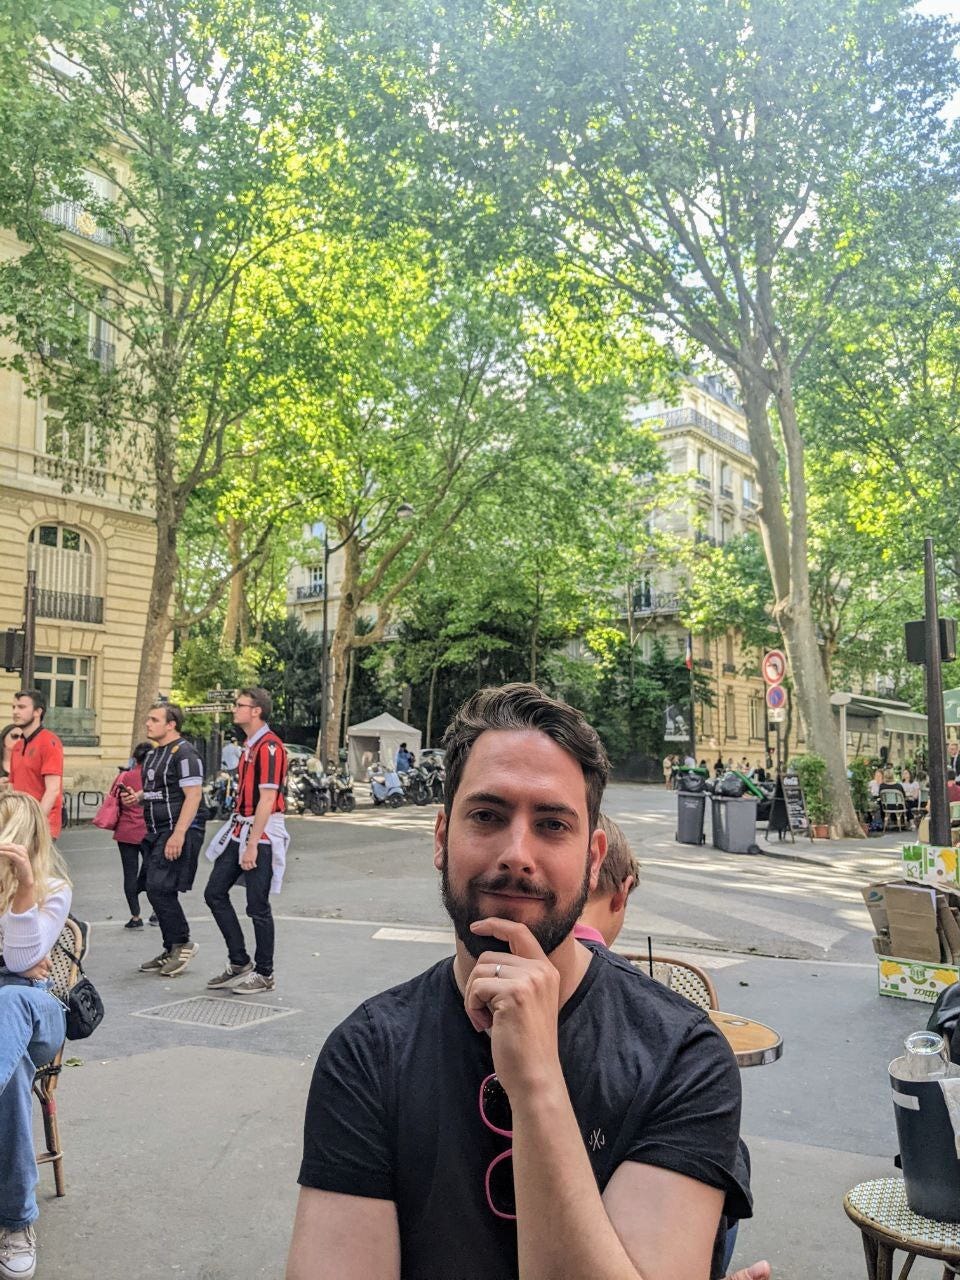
column 496, row 1105
column 500, row 1188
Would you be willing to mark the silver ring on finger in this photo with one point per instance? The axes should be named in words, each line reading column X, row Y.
column 496, row 972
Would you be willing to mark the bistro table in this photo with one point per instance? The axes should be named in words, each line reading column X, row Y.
column 753, row 1044
column 887, row 1223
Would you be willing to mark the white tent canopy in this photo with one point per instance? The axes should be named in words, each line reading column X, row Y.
column 381, row 737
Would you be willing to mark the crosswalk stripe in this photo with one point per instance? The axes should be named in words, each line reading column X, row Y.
column 647, row 921
column 788, row 926
column 415, row 935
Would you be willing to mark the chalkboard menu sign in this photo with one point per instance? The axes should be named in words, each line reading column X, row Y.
column 788, row 811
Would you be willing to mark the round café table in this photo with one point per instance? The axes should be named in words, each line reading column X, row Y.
column 887, row 1223
column 753, row 1044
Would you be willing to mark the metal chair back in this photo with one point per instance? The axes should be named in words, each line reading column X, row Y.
column 679, row 975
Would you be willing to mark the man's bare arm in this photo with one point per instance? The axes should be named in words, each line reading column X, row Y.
column 337, row 1237
column 51, row 789
column 666, row 1221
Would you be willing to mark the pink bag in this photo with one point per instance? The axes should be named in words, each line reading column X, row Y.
column 108, row 815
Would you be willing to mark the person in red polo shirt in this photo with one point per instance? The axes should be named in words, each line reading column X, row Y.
column 36, row 764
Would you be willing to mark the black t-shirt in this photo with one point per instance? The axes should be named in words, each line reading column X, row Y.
column 166, row 771
column 393, row 1108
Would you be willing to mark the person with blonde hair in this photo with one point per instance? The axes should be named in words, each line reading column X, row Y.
column 35, row 895
column 603, row 913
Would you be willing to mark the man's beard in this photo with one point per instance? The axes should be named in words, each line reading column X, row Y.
column 464, row 910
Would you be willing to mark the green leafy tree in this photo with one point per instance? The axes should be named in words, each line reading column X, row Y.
column 731, row 172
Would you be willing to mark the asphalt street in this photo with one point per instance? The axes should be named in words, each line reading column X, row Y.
column 182, row 1138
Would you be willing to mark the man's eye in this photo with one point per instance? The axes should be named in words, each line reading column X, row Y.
column 554, row 824
column 483, row 816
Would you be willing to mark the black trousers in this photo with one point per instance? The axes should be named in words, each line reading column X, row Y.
column 134, row 875
column 166, row 880
column 225, row 874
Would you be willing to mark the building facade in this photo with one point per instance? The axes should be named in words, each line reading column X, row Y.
column 66, row 516
column 705, row 438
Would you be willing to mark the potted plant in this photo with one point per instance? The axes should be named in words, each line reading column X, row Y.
column 860, row 774
column 811, row 770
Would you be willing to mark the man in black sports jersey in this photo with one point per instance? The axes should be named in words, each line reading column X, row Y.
column 172, row 789
column 250, row 848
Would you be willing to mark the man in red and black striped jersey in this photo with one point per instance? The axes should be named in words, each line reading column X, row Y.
column 251, row 847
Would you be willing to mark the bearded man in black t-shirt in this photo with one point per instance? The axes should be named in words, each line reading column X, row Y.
column 534, row 1107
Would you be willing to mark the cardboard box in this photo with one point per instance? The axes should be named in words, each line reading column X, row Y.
column 932, row 863
column 874, row 895
column 912, row 919
column 912, row 980
column 948, row 927
column 913, row 861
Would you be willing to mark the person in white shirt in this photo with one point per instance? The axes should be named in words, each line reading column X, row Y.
column 35, row 896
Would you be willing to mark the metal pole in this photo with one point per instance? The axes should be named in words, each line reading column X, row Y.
column 324, row 657
column 29, row 630
column 779, row 762
column 693, row 705
column 939, row 812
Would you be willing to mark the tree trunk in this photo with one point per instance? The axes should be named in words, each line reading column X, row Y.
column 786, row 547
column 430, row 696
column 343, row 635
column 235, row 623
column 348, row 696
column 158, row 622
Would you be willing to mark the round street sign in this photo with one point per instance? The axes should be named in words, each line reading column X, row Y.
column 776, row 697
column 774, row 666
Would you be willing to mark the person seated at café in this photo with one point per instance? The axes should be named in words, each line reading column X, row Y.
column 953, row 789
column 600, row 922
column 911, row 793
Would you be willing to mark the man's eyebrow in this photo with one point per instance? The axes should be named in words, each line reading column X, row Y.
column 491, row 797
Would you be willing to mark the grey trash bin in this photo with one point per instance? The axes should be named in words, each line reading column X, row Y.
column 735, row 824
column 691, row 808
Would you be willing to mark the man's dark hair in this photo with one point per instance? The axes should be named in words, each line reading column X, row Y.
column 140, row 752
column 36, row 697
column 258, row 698
column 173, row 713
column 518, row 707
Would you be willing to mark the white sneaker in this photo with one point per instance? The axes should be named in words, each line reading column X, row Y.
column 18, row 1253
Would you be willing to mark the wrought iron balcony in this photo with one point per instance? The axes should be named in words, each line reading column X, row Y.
column 312, row 592
column 73, row 216
column 105, row 353
column 655, row 602
column 704, row 482
column 692, row 418
column 69, row 606
column 729, row 668
column 726, row 491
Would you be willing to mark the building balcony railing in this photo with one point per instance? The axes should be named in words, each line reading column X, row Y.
column 105, row 353
column 672, row 418
column 729, row 668
column 751, row 504
column 311, row 592
column 69, row 606
column 705, row 664
column 75, row 726
column 78, row 475
column 72, row 216
column 707, row 538
column 726, row 491
column 703, row 482
column 656, row 602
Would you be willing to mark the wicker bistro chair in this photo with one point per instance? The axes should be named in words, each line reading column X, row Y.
column 893, row 806
column 64, row 974
column 680, row 976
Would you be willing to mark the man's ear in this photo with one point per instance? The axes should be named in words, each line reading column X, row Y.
column 619, row 900
column 439, row 835
column 598, row 851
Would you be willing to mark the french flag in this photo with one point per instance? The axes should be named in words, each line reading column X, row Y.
column 688, row 654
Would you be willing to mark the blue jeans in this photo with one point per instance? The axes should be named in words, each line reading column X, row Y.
column 32, row 1028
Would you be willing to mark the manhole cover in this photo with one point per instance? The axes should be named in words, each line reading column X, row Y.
column 204, row 1011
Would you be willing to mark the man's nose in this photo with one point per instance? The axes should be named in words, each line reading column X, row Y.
column 518, row 852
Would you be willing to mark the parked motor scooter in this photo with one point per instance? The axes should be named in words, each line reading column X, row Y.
column 221, row 795
column 385, row 786
column 433, row 777
column 304, row 791
column 340, row 787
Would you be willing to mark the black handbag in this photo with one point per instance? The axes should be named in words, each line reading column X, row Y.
column 84, row 1006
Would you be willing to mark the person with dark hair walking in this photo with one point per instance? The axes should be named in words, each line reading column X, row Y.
column 129, row 834
column 171, row 796
column 36, row 761
column 10, row 735
column 251, row 848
